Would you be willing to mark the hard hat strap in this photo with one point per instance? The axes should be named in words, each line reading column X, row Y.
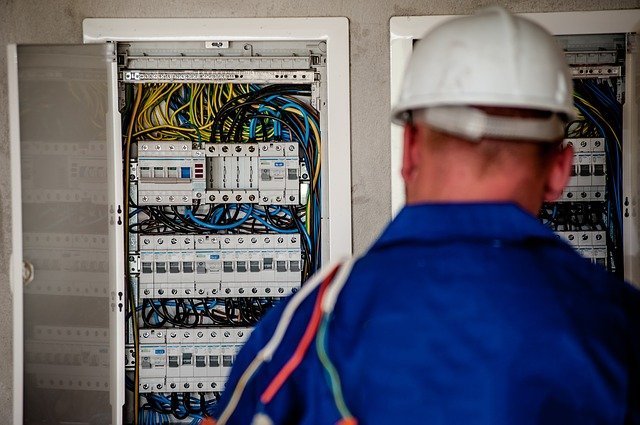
column 475, row 124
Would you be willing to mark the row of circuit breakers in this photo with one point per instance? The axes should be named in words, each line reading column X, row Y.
column 173, row 173
column 204, row 266
column 188, row 360
column 587, row 184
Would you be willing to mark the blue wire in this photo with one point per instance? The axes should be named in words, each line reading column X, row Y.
column 210, row 304
column 615, row 181
column 272, row 227
column 306, row 119
column 276, row 124
column 189, row 214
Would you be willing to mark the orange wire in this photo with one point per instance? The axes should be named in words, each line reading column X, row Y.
column 303, row 346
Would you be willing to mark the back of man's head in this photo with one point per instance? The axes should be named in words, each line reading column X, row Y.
column 484, row 103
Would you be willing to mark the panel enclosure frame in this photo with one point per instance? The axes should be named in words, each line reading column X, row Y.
column 333, row 31
column 405, row 30
column 336, row 216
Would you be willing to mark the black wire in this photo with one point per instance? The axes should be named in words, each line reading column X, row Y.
column 175, row 405
column 186, row 397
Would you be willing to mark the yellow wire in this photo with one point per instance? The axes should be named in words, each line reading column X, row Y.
column 596, row 112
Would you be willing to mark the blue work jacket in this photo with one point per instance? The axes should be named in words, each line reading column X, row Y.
column 463, row 314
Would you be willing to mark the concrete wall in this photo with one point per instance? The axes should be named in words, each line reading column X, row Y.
column 57, row 21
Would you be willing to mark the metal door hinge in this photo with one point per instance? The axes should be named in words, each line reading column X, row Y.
column 28, row 272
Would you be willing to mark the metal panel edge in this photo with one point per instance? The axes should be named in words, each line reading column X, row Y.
column 99, row 30
column 403, row 30
column 15, row 268
column 592, row 22
column 116, row 247
column 630, row 170
column 412, row 27
column 581, row 22
column 339, row 129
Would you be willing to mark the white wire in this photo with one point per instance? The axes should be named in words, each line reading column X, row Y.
column 331, row 296
column 266, row 353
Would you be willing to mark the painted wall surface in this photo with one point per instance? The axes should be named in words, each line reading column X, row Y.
column 57, row 21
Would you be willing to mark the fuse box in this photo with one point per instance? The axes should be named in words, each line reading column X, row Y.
column 175, row 187
column 217, row 229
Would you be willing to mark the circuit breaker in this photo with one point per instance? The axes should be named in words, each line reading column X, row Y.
column 179, row 178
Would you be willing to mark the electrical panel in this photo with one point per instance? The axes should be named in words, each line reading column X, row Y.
column 174, row 188
column 589, row 214
column 223, row 207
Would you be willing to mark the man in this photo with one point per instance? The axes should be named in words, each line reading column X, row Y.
column 466, row 310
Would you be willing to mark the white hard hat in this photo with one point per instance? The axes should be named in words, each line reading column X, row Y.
column 490, row 59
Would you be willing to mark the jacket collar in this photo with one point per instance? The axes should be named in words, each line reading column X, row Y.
column 432, row 223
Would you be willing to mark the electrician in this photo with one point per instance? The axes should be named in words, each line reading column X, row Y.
column 467, row 310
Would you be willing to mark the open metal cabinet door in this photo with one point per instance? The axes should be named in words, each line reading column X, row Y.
column 66, row 274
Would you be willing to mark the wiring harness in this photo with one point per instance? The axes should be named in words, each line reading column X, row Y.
column 215, row 113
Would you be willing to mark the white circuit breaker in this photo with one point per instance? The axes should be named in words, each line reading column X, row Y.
column 588, row 176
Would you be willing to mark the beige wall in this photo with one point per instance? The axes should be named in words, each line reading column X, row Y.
column 48, row 21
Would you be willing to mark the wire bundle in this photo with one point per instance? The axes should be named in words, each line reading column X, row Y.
column 602, row 116
column 189, row 312
column 180, row 406
column 160, row 408
column 574, row 216
column 182, row 111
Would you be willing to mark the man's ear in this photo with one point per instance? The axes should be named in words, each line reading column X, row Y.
column 558, row 173
column 411, row 153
